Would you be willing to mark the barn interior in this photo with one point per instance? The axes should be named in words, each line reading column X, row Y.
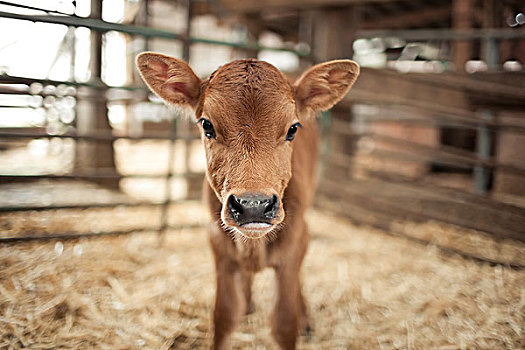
column 418, row 227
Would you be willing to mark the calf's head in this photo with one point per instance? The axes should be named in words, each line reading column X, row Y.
column 249, row 115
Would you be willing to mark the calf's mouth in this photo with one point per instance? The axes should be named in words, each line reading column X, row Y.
column 253, row 215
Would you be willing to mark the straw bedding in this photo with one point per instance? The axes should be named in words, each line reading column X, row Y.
column 366, row 289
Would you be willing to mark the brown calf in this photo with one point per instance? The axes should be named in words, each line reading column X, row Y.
column 261, row 146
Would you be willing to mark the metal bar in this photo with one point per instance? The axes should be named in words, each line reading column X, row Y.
column 167, row 185
column 145, row 23
column 173, row 132
column 5, row 209
column 443, row 34
column 70, row 236
column 24, row 92
column 73, row 236
column 111, row 99
column 9, row 79
column 103, row 26
column 92, row 136
column 27, row 7
column 482, row 174
column 80, row 176
column 12, row 106
column 95, row 24
column 491, row 53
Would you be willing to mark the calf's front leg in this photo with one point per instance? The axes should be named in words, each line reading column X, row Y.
column 287, row 312
column 229, row 302
column 290, row 313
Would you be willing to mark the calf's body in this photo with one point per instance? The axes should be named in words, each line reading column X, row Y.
column 237, row 261
column 261, row 142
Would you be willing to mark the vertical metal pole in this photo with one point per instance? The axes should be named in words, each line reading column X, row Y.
column 92, row 114
column 484, row 142
column 173, row 136
column 164, row 224
column 96, row 13
column 185, row 124
column 492, row 11
column 482, row 175
column 186, row 43
column 73, row 42
column 491, row 53
column 145, row 4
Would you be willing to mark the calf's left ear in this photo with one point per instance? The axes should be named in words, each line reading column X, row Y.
column 325, row 84
column 169, row 78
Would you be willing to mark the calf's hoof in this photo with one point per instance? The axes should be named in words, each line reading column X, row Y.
column 250, row 309
column 307, row 330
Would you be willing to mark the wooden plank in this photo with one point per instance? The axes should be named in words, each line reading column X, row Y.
column 409, row 202
column 334, row 33
column 259, row 5
column 389, row 87
column 362, row 216
column 439, row 154
column 455, row 194
column 448, row 93
column 7, row 239
column 414, row 18
column 442, row 34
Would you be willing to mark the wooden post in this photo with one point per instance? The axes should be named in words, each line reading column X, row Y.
column 461, row 19
column 252, row 23
column 334, row 32
column 333, row 36
column 306, row 35
column 92, row 115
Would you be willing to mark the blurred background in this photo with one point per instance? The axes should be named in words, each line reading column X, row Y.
column 429, row 145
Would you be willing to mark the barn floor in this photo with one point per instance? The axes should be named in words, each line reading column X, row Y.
column 367, row 290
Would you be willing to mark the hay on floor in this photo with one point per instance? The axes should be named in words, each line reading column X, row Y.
column 366, row 289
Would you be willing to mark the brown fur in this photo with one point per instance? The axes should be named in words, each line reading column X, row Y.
column 251, row 106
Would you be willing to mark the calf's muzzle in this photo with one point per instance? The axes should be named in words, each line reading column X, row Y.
column 253, row 208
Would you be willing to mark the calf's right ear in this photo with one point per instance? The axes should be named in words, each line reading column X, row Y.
column 169, row 78
column 323, row 85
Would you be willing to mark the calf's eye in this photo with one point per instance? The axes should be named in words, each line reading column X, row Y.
column 290, row 135
column 207, row 127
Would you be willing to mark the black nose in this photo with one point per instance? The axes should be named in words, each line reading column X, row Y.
column 253, row 208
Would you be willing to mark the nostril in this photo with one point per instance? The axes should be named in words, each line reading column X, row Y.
column 271, row 207
column 235, row 205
